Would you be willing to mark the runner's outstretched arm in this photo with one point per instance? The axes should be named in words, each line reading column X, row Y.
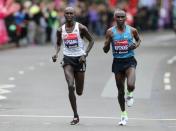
column 107, row 41
column 137, row 40
column 58, row 45
column 87, row 35
column 136, row 37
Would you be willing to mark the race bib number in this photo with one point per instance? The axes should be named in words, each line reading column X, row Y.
column 121, row 46
column 71, row 41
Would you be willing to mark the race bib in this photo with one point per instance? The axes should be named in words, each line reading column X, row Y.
column 71, row 40
column 121, row 46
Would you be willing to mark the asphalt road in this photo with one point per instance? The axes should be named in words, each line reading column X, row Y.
column 34, row 96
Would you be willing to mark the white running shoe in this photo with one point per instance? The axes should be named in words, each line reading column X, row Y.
column 123, row 119
column 130, row 99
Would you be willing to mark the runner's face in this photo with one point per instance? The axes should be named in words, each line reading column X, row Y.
column 120, row 18
column 69, row 14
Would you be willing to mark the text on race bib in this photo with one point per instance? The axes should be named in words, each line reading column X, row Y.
column 71, row 40
column 121, row 46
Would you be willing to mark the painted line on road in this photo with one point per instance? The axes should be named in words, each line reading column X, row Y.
column 31, row 68
column 166, row 81
column 7, row 86
column 171, row 60
column 3, row 97
column 167, row 87
column 167, row 74
column 3, row 91
column 88, row 117
column 11, row 78
column 21, row 72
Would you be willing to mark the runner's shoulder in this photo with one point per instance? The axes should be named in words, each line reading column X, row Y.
column 109, row 31
column 82, row 27
column 132, row 29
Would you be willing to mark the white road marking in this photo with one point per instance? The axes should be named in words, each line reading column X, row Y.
column 167, row 87
column 89, row 117
column 11, row 78
column 166, row 80
column 7, row 86
column 167, row 74
column 3, row 91
column 31, row 68
column 3, row 97
column 21, row 72
column 171, row 60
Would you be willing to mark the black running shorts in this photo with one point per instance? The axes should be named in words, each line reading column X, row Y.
column 121, row 64
column 74, row 62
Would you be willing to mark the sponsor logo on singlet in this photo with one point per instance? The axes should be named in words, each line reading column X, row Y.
column 71, row 40
column 121, row 46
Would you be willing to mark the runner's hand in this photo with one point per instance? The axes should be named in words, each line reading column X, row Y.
column 54, row 58
column 132, row 46
column 82, row 59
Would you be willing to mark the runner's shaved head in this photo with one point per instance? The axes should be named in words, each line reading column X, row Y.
column 120, row 17
column 69, row 9
column 119, row 11
column 69, row 14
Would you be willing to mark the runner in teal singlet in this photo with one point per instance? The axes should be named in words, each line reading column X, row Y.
column 123, row 39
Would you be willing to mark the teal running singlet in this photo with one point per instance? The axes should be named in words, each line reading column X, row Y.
column 121, row 42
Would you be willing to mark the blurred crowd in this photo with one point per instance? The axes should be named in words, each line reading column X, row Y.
column 36, row 22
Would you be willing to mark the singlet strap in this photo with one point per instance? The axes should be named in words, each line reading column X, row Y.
column 128, row 29
column 114, row 30
column 63, row 28
column 76, row 27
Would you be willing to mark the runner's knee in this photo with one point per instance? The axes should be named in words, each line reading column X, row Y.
column 79, row 93
column 70, row 84
column 130, row 87
column 71, row 88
